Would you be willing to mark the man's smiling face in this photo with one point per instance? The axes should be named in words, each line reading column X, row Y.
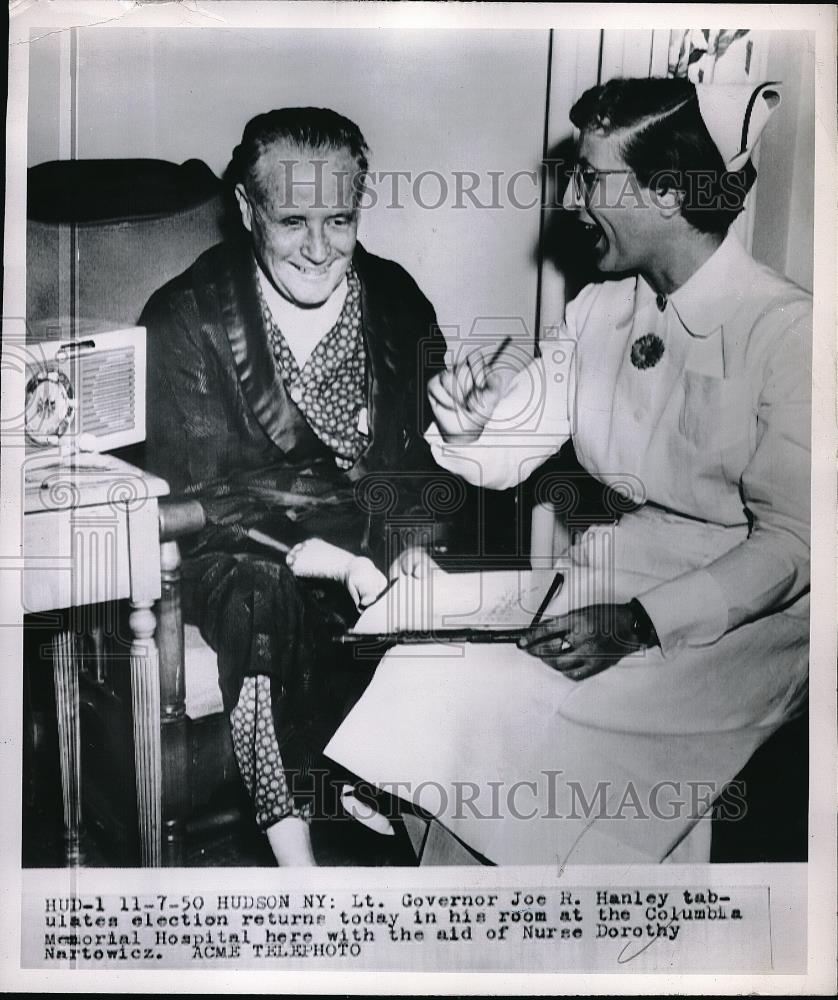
column 301, row 213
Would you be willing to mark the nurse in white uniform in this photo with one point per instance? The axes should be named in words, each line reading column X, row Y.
column 679, row 642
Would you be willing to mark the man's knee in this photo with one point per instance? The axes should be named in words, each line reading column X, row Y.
column 237, row 591
column 252, row 574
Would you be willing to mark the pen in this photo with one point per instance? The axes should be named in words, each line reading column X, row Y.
column 552, row 590
column 390, row 584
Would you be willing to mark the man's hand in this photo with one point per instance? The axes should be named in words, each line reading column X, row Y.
column 464, row 398
column 318, row 558
column 586, row 641
column 365, row 582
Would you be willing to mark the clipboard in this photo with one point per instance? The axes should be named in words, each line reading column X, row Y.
column 507, row 619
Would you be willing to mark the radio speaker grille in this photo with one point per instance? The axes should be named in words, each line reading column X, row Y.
column 107, row 392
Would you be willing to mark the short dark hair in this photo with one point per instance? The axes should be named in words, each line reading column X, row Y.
column 664, row 140
column 308, row 128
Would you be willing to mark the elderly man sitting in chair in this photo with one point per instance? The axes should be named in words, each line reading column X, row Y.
column 287, row 367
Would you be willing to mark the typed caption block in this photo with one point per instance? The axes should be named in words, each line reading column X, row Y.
column 643, row 929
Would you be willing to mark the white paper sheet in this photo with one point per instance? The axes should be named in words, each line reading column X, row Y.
column 441, row 601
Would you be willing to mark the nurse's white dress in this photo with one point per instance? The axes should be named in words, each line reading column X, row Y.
column 528, row 767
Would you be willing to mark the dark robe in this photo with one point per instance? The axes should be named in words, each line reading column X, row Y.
column 221, row 427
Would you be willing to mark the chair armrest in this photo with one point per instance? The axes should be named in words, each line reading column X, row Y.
column 179, row 518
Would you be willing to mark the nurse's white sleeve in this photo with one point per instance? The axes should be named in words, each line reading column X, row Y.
column 527, row 426
column 771, row 568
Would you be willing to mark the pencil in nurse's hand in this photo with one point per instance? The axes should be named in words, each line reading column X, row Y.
column 487, row 368
column 496, row 356
column 552, row 590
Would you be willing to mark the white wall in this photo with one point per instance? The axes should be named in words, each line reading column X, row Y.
column 426, row 101
column 45, row 109
column 785, row 192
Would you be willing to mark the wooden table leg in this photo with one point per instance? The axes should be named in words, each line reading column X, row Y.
column 145, row 697
column 66, row 678
column 173, row 729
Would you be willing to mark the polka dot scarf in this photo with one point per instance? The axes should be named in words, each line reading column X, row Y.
column 330, row 391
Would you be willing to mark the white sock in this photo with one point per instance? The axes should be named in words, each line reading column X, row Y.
column 290, row 840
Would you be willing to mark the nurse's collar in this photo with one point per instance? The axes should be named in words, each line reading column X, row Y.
column 708, row 299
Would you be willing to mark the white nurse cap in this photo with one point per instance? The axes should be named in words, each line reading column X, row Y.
column 735, row 115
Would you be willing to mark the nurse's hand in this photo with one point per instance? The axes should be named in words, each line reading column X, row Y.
column 585, row 641
column 463, row 399
column 415, row 561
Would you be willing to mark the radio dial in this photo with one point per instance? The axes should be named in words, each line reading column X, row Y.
column 50, row 405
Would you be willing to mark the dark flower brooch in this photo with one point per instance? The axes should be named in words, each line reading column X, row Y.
column 646, row 351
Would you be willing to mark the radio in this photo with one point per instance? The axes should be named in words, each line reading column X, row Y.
column 85, row 387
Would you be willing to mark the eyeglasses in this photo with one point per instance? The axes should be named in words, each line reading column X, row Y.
column 585, row 177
